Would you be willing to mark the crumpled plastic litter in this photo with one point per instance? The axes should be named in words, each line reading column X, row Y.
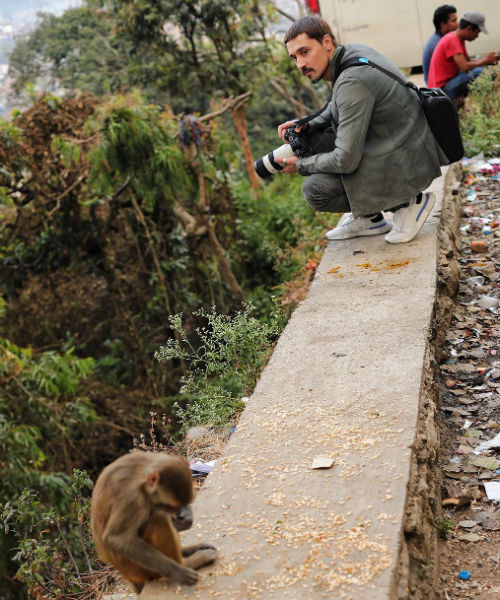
column 201, row 467
column 492, row 490
column 489, row 302
column 488, row 445
column 476, row 281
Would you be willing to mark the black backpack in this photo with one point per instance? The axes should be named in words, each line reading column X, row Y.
column 437, row 107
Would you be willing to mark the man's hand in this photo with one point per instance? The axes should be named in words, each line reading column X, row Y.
column 491, row 58
column 466, row 65
column 289, row 164
column 284, row 126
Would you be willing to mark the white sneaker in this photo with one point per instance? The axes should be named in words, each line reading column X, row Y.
column 408, row 221
column 349, row 227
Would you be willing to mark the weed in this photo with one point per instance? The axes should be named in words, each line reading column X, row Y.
column 222, row 365
column 444, row 526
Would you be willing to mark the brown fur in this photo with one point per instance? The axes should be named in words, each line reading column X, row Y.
column 132, row 503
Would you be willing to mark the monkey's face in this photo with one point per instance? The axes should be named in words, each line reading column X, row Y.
column 181, row 515
column 183, row 519
column 170, row 488
column 164, row 499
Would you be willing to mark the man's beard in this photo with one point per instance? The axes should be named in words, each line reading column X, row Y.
column 320, row 77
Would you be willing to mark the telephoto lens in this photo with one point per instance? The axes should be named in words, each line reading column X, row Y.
column 267, row 165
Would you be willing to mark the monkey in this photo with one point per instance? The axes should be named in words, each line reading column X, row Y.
column 136, row 501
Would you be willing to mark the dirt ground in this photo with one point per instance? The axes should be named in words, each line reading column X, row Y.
column 470, row 397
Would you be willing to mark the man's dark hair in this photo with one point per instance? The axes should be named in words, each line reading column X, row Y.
column 464, row 23
column 442, row 14
column 314, row 27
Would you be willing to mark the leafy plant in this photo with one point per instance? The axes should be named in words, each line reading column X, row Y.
column 480, row 122
column 51, row 542
column 444, row 526
column 41, row 415
column 223, row 363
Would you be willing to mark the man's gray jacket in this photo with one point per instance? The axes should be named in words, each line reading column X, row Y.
column 384, row 151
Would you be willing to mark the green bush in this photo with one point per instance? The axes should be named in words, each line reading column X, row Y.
column 50, row 541
column 41, row 418
column 480, row 122
column 222, row 364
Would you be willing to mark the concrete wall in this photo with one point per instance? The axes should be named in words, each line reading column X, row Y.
column 400, row 28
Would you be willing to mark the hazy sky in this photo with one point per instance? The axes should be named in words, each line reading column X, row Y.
column 22, row 12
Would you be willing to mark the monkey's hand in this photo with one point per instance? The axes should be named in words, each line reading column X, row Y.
column 136, row 549
column 185, row 575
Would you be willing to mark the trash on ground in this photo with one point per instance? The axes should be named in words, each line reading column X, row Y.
column 322, row 462
column 487, row 462
column 478, row 246
column 490, row 302
column 492, row 490
column 493, row 443
column 470, row 384
column 489, row 520
column 201, row 467
column 467, row 524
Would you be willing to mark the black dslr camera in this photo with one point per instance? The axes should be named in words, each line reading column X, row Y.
column 299, row 142
column 298, row 145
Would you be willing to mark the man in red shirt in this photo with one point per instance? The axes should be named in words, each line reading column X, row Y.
column 451, row 68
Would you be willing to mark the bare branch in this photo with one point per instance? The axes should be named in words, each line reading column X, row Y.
column 285, row 14
column 281, row 89
column 229, row 104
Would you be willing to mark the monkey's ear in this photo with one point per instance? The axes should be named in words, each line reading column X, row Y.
column 153, row 478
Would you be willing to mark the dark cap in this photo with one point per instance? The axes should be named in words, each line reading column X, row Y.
column 476, row 18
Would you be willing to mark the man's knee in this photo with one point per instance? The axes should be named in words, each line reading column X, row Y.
column 324, row 197
column 310, row 193
column 475, row 72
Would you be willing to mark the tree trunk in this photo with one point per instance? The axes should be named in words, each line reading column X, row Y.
column 239, row 117
column 204, row 206
column 224, row 266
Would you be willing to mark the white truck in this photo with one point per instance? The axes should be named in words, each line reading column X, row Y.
column 400, row 28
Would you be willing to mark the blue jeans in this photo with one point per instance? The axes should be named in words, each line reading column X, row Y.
column 457, row 86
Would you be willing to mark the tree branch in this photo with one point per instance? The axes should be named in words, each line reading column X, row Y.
column 230, row 103
column 285, row 14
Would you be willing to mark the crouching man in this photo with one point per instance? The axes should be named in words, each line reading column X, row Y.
column 381, row 153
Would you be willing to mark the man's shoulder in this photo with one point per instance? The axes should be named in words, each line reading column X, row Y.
column 360, row 49
column 372, row 54
column 433, row 41
column 450, row 39
column 368, row 52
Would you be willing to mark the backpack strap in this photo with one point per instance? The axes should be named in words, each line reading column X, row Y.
column 360, row 61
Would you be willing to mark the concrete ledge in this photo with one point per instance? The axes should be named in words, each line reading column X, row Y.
column 351, row 378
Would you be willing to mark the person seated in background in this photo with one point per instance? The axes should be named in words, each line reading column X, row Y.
column 445, row 20
column 451, row 68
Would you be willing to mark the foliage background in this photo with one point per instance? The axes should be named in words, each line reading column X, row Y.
column 132, row 229
column 132, row 223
